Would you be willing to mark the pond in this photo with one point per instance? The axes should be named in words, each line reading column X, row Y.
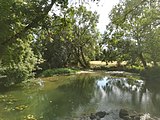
column 68, row 97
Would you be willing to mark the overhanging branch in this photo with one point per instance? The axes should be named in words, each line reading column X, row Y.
column 33, row 24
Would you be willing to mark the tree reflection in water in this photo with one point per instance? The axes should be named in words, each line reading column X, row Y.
column 124, row 92
column 75, row 95
column 86, row 93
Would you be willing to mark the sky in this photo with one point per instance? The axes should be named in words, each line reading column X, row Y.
column 103, row 8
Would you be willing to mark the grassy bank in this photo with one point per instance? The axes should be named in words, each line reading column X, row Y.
column 94, row 65
column 58, row 71
column 112, row 66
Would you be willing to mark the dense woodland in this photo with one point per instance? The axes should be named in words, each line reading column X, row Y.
column 35, row 37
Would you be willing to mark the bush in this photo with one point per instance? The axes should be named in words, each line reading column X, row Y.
column 152, row 73
column 14, row 76
column 18, row 62
column 51, row 72
column 134, row 69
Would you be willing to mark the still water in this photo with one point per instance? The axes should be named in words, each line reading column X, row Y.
column 68, row 97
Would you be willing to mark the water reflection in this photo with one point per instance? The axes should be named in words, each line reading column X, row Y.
column 66, row 97
column 71, row 96
column 86, row 94
column 123, row 92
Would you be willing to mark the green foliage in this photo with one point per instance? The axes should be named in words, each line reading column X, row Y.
column 151, row 74
column 117, row 48
column 24, row 26
column 54, row 43
column 51, row 72
column 132, row 34
column 69, row 39
column 18, row 62
column 19, row 21
column 135, row 69
column 85, row 34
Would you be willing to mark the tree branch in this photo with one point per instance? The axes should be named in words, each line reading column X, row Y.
column 33, row 24
column 126, row 13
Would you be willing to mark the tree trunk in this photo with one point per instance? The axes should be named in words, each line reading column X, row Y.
column 118, row 64
column 143, row 61
column 77, row 53
column 155, row 63
column 83, row 57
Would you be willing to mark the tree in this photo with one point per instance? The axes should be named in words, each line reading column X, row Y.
column 134, row 19
column 20, row 21
column 18, row 17
column 74, row 38
column 55, row 43
column 152, row 45
column 19, row 62
column 85, row 36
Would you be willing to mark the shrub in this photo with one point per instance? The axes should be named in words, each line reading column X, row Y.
column 51, row 72
column 14, row 76
column 134, row 69
column 152, row 73
column 18, row 62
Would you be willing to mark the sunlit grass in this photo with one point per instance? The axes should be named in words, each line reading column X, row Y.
column 103, row 64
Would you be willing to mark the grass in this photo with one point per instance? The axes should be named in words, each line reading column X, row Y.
column 57, row 71
column 112, row 66
column 150, row 74
column 95, row 64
